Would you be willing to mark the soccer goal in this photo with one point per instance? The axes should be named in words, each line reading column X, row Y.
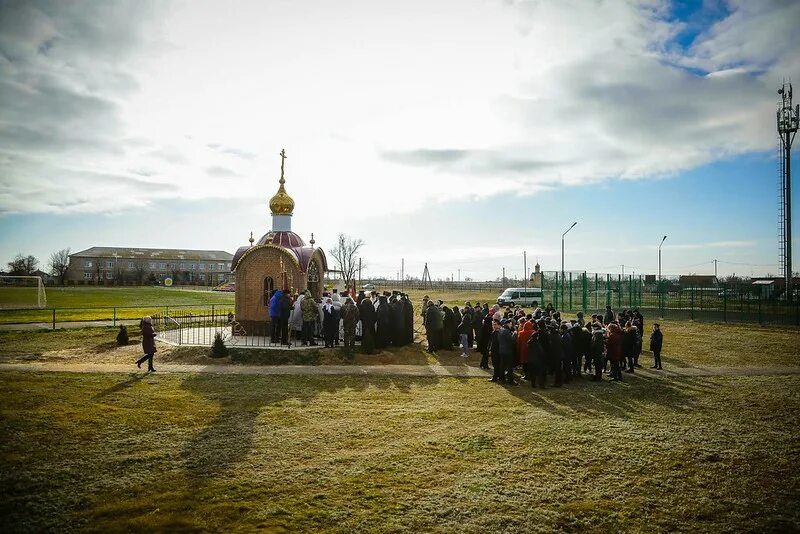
column 22, row 292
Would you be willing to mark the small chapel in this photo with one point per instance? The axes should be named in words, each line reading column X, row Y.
column 279, row 260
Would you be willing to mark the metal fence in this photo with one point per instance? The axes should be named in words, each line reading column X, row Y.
column 191, row 328
column 728, row 302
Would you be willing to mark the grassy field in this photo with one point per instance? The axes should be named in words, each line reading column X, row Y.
column 120, row 453
column 132, row 303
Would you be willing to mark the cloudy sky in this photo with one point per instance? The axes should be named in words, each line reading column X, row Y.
column 456, row 132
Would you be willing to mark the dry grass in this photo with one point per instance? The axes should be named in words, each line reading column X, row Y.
column 113, row 453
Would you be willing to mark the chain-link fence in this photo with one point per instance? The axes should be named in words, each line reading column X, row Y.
column 669, row 298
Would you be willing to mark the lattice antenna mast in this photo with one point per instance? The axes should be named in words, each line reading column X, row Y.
column 426, row 277
column 787, row 123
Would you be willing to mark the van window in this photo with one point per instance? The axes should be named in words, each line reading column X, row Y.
column 515, row 295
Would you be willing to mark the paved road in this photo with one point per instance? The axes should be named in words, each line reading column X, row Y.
column 460, row 371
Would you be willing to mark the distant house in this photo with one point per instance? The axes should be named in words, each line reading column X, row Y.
column 143, row 265
column 697, row 280
column 769, row 286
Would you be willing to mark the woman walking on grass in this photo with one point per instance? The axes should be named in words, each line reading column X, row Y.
column 148, row 343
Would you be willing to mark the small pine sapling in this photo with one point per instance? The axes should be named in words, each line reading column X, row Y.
column 218, row 348
column 122, row 336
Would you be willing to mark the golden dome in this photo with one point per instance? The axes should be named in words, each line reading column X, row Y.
column 281, row 203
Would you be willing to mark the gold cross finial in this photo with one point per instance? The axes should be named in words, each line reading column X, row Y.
column 283, row 158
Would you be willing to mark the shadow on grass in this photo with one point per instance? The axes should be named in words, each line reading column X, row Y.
column 228, row 439
column 617, row 399
column 134, row 379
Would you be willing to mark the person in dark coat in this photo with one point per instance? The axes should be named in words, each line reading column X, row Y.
column 463, row 330
column 628, row 346
column 434, row 325
column 469, row 312
column 484, row 335
column 148, row 344
column 456, row 340
column 397, row 320
column 596, row 351
column 555, row 355
column 503, row 345
column 368, row 316
column 408, row 320
column 330, row 323
column 478, row 314
column 383, row 334
column 637, row 349
column 567, row 354
column 656, row 341
column 537, row 366
column 493, row 346
column 449, row 327
column 614, row 350
column 609, row 315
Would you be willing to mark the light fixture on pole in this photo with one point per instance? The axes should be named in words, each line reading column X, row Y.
column 562, row 256
column 659, row 257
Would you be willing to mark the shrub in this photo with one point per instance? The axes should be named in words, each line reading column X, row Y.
column 218, row 348
column 122, row 336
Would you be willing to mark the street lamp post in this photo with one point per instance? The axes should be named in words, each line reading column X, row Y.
column 660, row 289
column 562, row 258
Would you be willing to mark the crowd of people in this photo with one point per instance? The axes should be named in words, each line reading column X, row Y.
column 375, row 320
column 539, row 343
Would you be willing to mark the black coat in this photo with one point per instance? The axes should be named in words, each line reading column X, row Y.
column 536, row 356
column 383, row 334
column 484, row 334
column 408, row 321
column 286, row 307
column 628, row 343
column 397, row 320
column 449, row 328
column 656, row 341
column 330, row 322
column 367, row 314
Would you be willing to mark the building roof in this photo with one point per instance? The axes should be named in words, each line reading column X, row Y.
column 153, row 254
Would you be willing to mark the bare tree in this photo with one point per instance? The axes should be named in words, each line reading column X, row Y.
column 346, row 258
column 22, row 265
column 59, row 264
column 140, row 272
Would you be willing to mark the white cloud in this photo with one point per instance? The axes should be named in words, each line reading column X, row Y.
column 418, row 102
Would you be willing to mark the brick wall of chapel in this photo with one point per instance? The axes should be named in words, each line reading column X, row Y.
column 250, row 274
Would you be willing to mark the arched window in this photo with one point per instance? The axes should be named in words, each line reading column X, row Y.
column 313, row 272
column 269, row 285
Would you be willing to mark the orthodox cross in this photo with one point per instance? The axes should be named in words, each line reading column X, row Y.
column 283, row 158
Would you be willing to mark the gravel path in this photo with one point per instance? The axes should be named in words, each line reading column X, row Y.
column 460, row 371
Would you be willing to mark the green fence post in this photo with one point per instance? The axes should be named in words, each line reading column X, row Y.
column 759, row 307
column 619, row 291
column 596, row 293
column 570, row 290
column 555, row 294
column 212, row 312
column 54, row 318
column 114, row 319
column 725, row 304
column 585, row 292
column 691, row 302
